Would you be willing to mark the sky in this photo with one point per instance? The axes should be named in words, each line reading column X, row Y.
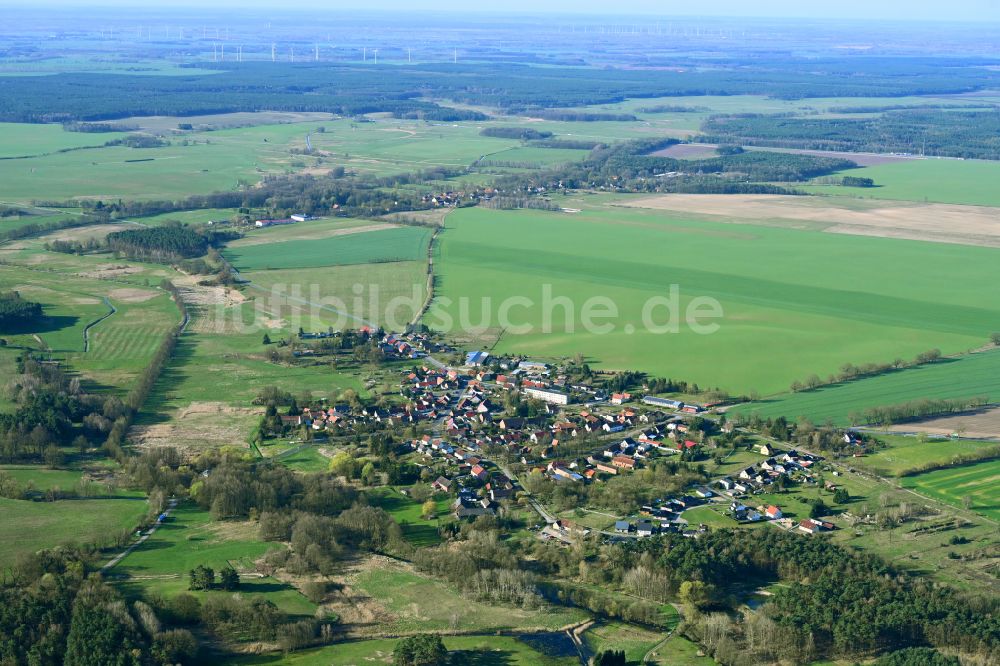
column 932, row 10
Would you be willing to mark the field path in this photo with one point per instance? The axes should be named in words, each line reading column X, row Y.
column 171, row 505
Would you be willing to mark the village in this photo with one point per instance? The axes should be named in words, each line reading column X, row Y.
column 470, row 447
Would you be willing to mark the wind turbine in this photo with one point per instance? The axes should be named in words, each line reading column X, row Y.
column 273, row 52
column 375, row 51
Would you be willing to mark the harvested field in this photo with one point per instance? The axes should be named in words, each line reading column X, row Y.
column 130, row 295
column 979, row 424
column 106, row 271
column 688, row 151
column 87, row 232
column 199, row 426
column 941, row 223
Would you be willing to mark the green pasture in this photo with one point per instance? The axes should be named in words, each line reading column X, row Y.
column 903, row 454
column 232, row 369
column 479, row 650
column 963, row 377
column 42, row 478
column 794, row 302
column 708, row 516
column 27, row 526
column 311, row 230
column 26, row 140
column 538, row 155
column 420, row 604
column 977, row 484
column 408, row 513
column 307, row 460
column 972, row 182
column 636, row 641
column 192, row 217
column 189, row 538
column 398, row 244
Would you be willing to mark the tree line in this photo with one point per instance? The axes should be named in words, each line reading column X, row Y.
column 952, row 133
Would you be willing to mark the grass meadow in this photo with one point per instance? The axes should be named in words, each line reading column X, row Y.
column 27, row 526
column 408, row 513
column 964, row 377
column 795, row 302
column 421, row 604
column 190, row 538
column 478, row 650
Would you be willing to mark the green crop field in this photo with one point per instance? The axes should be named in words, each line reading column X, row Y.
column 398, row 244
column 977, row 483
column 422, row 604
column 795, row 302
column 935, row 180
column 964, row 377
column 26, row 526
column 389, row 293
column 478, row 650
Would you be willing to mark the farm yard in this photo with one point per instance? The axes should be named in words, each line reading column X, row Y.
column 803, row 301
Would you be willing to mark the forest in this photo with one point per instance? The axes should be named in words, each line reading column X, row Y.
column 962, row 134
column 350, row 90
column 166, row 243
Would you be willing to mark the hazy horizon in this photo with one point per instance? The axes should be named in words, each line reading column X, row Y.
column 959, row 11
